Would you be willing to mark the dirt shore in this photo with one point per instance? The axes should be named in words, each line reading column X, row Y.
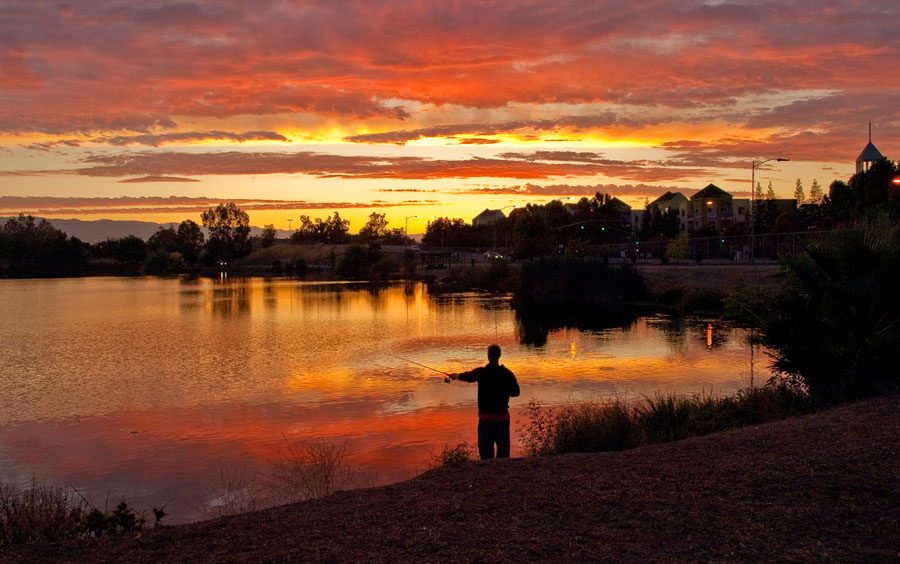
column 819, row 488
column 666, row 278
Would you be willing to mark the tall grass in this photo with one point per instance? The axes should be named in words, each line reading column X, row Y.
column 616, row 425
column 40, row 513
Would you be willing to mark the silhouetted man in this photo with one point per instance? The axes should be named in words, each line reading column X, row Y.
column 496, row 384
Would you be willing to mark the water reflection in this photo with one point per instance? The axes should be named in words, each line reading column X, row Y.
column 148, row 388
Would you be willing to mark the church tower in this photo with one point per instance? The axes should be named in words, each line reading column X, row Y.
column 869, row 155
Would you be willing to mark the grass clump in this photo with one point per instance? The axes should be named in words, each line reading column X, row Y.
column 616, row 425
column 40, row 513
column 454, row 456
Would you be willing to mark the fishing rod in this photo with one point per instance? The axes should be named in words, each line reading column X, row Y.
column 426, row 366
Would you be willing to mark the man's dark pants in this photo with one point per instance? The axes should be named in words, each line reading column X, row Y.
column 490, row 432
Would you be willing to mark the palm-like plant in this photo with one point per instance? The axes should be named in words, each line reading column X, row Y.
column 836, row 325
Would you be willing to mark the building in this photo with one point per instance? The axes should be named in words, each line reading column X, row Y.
column 488, row 217
column 673, row 201
column 869, row 155
column 710, row 208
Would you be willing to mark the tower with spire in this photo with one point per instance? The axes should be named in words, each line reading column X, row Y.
column 869, row 155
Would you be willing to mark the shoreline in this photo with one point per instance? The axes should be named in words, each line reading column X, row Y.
column 819, row 487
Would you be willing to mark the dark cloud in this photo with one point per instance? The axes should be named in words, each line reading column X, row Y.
column 157, row 179
column 165, row 138
column 46, row 205
column 574, row 123
column 526, row 166
column 562, row 190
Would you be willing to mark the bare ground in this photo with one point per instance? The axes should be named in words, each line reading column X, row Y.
column 661, row 279
column 819, row 488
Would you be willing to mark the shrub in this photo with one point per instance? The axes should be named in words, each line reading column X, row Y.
column 306, row 470
column 836, row 325
column 454, row 456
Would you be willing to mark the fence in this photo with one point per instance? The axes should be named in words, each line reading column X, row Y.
column 766, row 247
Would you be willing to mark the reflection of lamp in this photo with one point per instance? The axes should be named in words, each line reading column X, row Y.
column 753, row 166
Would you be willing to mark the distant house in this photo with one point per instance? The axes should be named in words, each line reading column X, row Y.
column 673, row 201
column 622, row 209
column 711, row 207
column 487, row 217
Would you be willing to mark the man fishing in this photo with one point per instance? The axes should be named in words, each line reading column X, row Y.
column 496, row 384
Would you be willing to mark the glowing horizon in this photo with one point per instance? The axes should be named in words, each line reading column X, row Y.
column 430, row 109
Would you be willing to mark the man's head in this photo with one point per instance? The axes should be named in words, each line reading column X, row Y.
column 493, row 354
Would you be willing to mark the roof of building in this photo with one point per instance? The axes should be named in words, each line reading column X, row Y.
column 489, row 214
column 666, row 199
column 870, row 154
column 620, row 205
column 711, row 191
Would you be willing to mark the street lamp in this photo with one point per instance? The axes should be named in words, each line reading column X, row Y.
column 289, row 227
column 753, row 168
column 406, row 224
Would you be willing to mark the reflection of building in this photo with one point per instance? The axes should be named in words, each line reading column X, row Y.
column 487, row 217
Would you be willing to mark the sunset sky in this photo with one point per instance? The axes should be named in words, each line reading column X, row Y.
column 156, row 110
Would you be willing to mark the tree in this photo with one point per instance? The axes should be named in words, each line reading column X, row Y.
column 330, row 230
column 165, row 238
column 759, row 193
column 815, row 193
column 798, row 192
column 375, row 229
column 268, row 236
column 770, row 193
column 190, row 239
column 229, row 229
column 842, row 290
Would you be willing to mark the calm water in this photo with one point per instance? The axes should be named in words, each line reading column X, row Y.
column 152, row 390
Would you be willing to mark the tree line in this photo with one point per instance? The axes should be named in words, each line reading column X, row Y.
column 34, row 248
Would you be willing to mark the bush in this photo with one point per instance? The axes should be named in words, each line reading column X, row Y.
column 454, row 456
column 836, row 325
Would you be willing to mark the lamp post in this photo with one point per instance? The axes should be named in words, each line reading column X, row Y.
column 753, row 168
column 406, row 224
column 289, row 227
column 494, row 223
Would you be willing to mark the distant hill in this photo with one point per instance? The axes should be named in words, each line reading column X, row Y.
column 103, row 229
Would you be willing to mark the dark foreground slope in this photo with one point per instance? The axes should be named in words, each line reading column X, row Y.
column 819, row 488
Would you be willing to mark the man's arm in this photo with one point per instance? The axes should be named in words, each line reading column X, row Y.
column 513, row 385
column 469, row 376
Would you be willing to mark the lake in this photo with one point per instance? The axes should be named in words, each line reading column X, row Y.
column 172, row 392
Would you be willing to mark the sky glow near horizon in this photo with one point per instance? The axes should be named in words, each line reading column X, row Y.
column 157, row 110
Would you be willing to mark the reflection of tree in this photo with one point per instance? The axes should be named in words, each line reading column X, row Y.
column 535, row 322
column 673, row 329
column 231, row 300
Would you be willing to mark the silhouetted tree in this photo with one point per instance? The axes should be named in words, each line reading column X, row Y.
column 190, row 240
column 375, row 229
column 165, row 238
column 268, row 235
column 229, row 230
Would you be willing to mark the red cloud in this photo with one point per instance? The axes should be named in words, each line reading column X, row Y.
column 146, row 66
